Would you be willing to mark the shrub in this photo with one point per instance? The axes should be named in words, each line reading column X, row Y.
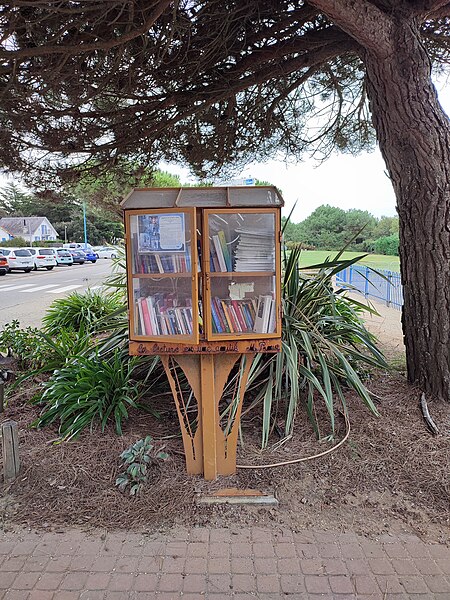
column 27, row 346
column 387, row 244
column 325, row 350
column 82, row 310
column 137, row 459
column 88, row 390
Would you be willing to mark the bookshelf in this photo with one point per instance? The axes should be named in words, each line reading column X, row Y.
column 203, row 271
column 204, row 293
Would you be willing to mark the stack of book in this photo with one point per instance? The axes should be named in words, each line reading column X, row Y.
column 255, row 250
column 243, row 316
column 161, row 315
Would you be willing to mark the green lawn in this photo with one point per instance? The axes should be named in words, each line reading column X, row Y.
column 377, row 261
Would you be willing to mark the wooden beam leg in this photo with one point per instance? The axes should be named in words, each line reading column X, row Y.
column 209, row 410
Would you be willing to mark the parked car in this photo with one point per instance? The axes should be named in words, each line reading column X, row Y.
column 19, row 259
column 3, row 265
column 43, row 258
column 90, row 256
column 78, row 256
column 63, row 257
column 106, row 252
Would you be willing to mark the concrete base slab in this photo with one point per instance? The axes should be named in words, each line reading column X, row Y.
column 237, row 496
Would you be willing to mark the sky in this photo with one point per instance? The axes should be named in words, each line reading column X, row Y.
column 342, row 180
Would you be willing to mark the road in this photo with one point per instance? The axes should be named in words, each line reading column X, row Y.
column 26, row 296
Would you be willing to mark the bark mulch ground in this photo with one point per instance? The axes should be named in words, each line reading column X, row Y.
column 391, row 475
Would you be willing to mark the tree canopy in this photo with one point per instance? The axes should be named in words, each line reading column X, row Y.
column 212, row 83
column 216, row 83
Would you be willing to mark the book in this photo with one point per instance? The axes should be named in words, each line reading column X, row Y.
column 261, row 324
column 219, row 253
column 225, row 250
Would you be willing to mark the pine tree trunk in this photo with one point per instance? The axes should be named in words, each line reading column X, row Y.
column 414, row 136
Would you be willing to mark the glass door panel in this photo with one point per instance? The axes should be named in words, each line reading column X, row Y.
column 162, row 263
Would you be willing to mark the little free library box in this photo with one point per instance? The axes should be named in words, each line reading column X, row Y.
column 204, row 292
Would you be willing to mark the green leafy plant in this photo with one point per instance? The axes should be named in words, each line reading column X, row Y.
column 89, row 389
column 25, row 345
column 326, row 350
column 137, row 460
column 86, row 310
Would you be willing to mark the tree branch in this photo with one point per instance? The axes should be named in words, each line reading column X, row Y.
column 80, row 48
column 364, row 22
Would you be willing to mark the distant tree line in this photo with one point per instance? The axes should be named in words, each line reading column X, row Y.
column 63, row 206
column 331, row 228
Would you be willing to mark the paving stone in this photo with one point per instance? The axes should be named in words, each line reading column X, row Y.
column 219, row 583
column 40, row 595
column 351, row 551
column 389, row 584
column 364, row 584
column 311, row 566
column 195, row 583
column 380, row 566
column 219, row 565
column 244, row 549
column 265, row 566
column 244, row 583
column 199, row 534
column 25, row 581
column 340, row 584
column 145, row 582
column 317, row 584
column 427, row 566
column 413, row 585
column 170, row 582
column 242, row 565
column 288, row 566
column 292, row 584
column 334, row 566
column 49, row 581
column 438, row 583
column 396, row 550
column 329, row 550
column 120, row 582
column 285, row 550
column 307, row 550
column 196, row 565
column 267, row 584
column 404, row 566
column 219, row 550
column 263, row 550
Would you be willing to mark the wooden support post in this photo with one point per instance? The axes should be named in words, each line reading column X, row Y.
column 210, row 416
column 10, row 446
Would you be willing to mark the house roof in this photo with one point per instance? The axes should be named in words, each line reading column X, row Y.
column 21, row 225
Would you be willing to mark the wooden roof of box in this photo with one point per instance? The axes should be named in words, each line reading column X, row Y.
column 207, row 197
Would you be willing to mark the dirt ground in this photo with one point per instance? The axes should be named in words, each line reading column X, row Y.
column 391, row 475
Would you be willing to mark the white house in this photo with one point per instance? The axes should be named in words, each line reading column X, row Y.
column 31, row 229
column 4, row 235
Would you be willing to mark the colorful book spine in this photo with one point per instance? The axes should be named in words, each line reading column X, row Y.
column 225, row 250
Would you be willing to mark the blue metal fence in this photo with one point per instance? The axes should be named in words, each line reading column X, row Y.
column 382, row 285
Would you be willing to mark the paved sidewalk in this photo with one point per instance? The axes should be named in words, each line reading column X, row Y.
column 240, row 563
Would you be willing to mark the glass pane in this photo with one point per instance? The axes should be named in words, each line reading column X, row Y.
column 161, row 243
column 254, row 196
column 162, row 307
column 241, row 305
column 242, row 242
